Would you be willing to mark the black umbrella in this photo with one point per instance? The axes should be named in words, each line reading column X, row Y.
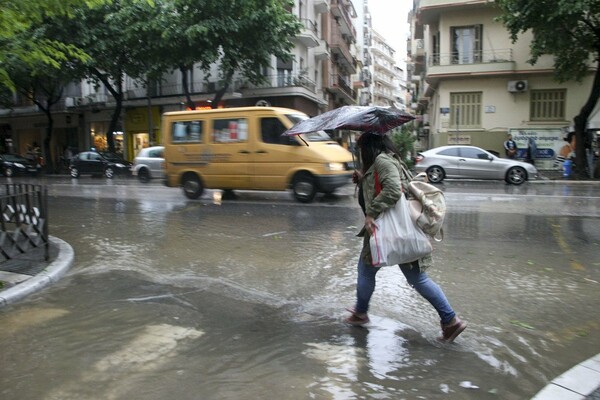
column 357, row 118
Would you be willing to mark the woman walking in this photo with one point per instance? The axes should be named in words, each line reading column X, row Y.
column 379, row 157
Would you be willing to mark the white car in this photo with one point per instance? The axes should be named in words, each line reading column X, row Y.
column 149, row 163
column 473, row 163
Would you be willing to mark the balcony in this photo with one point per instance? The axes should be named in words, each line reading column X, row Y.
column 341, row 52
column 309, row 35
column 321, row 52
column 482, row 62
column 430, row 11
column 343, row 11
column 321, row 6
column 340, row 85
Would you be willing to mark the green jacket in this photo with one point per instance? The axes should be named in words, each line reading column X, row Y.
column 389, row 172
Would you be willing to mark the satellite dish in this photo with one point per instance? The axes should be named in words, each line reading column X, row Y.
column 263, row 103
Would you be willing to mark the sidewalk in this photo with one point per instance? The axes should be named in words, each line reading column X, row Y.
column 29, row 272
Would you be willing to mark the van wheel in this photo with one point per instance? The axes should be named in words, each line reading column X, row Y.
column 304, row 187
column 192, row 187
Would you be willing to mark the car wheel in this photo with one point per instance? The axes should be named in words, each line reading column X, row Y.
column 8, row 171
column 516, row 175
column 109, row 172
column 304, row 187
column 435, row 174
column 74, row 172
column 192, row 186
column 143, row 175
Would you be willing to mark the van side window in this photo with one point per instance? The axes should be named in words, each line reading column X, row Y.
column 187, row 131
column 230, row 130
column 271, row 130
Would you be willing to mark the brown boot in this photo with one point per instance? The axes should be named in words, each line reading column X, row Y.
column 451, row 330
column 357, row 319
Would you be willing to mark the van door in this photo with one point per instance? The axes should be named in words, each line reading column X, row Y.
column 230, row 154
column 274, row 154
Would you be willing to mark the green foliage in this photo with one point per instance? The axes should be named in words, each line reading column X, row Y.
column 567, row 29
column 18, row 17
column 404, row 140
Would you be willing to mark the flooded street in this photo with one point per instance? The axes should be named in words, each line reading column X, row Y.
column 180, row 299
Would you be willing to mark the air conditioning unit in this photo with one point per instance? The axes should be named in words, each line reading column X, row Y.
column 517, row 86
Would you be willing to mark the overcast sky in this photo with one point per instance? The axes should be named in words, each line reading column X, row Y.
column 389, row 18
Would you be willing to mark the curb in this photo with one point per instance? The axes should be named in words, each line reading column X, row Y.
column 50, row 274
column 576, row 384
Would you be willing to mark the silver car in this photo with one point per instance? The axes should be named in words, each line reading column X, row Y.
column 472, row 162
column 149, row 163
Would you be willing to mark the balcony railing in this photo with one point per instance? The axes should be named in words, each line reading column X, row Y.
column 340, row 82
column 476, row 57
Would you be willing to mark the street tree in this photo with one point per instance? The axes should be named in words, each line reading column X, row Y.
column 19, row 16
column 110, row 34
column 569, row 30
column 239, row 36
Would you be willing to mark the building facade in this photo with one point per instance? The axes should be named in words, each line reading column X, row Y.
column 318, row 78
column 471, row 85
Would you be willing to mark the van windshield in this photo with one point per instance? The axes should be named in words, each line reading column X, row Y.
column 318, row 136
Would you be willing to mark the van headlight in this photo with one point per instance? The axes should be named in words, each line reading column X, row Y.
column 336, row 166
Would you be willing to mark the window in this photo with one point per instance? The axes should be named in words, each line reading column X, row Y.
column 466, row 44
column 465, row 110
column 469, row 152
column 548, row 105
column 230, row 130
column 187, row 131
column 271, row 130
column 451, row 152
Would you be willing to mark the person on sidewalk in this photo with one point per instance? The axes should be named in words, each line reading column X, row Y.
column 377, row 153
column 510, row 147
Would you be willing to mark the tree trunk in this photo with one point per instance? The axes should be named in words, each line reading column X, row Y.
column 186, row 87
column 581, row 124
column 49, row 162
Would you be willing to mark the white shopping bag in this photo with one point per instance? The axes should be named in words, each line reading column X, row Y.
column 397, row 239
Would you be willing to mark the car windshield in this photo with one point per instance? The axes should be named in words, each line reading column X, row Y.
column 110, row 156
column 318, row 136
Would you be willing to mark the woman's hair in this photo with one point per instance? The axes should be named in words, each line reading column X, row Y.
column 371, row 145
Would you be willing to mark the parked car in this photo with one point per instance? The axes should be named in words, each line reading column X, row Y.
column 14, row 164
column 471, row 162
column 99, row 163
column 149, row 163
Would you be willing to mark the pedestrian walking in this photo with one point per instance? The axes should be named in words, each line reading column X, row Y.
column 378, row 153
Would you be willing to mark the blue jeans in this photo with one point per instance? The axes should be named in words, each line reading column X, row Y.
column 417, row 279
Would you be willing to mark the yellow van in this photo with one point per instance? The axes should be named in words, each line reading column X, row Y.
column 243, row 148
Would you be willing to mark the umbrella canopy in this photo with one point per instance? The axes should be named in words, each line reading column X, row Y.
column 357, row 118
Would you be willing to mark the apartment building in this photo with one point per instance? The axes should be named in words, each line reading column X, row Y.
column 318, row 78
column 471, row 85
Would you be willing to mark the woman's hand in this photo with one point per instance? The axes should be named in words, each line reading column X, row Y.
column 356, row 176
column 370, row 225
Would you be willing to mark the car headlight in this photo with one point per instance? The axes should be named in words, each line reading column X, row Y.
column 119, row 165
column 336, row 166
column 19, row 165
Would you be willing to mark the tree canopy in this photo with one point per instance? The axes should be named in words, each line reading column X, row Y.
column 569, row 30
column 18, row 17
